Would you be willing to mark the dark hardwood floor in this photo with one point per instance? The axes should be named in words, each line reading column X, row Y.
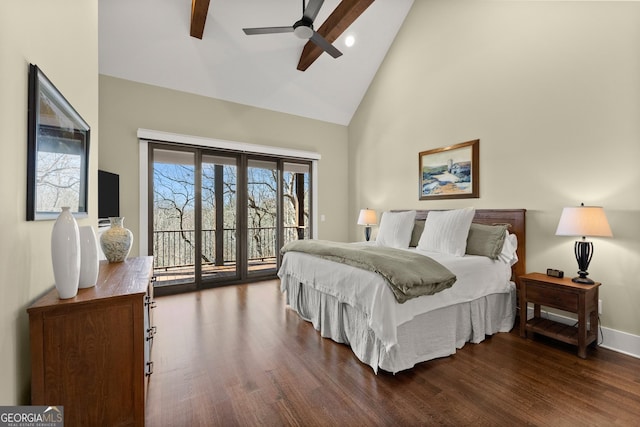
column 238, row 356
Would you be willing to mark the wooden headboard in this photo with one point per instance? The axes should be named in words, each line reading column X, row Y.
column 515, row 218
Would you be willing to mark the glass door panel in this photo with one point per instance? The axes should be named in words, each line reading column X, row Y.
column 295, row 203
column 219, row 214
column 173, row 240
column 262, row 217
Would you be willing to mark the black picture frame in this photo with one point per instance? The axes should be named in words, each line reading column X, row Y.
column 57, row 152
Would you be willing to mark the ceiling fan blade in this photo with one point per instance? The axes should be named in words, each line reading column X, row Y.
column 325, row 45
column 337, row 22
column 267, row 30
column 311, row 11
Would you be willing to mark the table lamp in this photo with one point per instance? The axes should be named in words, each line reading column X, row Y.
column 367, row 218
column 583, row 221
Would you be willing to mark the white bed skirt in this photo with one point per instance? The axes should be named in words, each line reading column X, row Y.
column 428, row 336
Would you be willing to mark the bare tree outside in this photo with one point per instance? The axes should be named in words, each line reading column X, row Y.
column 173, row 213
column 210, row 212
column 262, row 203
column 57, row 181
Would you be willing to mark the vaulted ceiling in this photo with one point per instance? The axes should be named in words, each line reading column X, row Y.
column 198, row 46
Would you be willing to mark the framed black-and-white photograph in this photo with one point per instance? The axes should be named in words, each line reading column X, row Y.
column 58, row 152
column 450, row 172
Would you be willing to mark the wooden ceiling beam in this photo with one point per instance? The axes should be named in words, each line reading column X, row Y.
column 199, row 9
column 340, row 19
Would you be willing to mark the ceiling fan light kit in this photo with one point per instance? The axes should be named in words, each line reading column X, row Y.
column 303, row 29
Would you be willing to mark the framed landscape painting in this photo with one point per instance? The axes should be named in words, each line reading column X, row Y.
column 450, row 172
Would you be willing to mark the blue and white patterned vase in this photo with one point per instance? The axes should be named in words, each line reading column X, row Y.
column 116, row 241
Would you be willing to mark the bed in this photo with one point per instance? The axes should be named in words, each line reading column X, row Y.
column 356, row 307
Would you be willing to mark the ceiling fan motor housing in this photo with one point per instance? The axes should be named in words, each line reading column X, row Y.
column 303, row 28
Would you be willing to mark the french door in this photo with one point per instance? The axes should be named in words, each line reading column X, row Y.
column 218, row 217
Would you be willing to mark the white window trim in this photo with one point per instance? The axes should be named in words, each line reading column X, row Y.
column 146, row 135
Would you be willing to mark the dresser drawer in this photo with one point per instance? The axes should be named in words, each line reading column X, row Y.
column 557, row 298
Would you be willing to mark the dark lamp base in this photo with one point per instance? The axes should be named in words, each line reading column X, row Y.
column 584, row 252
column 367, row 233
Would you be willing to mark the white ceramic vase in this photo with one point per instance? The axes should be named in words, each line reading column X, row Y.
column 65, row 254
column 89, row 263
column 116, row 241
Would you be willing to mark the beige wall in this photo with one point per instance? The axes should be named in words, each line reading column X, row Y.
column 126, row 106
column 551, row 89
column 60, row 37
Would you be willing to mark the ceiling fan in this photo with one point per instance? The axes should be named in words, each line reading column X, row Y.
column 302, row 28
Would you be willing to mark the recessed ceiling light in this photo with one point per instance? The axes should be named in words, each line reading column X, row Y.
column 349, row 40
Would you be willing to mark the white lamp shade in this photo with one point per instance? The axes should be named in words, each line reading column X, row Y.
column 367, row 217
column 584, row 221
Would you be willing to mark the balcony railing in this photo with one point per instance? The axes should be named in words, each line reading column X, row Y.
column 176, row 248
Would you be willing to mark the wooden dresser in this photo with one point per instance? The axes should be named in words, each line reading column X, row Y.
column 91, row 353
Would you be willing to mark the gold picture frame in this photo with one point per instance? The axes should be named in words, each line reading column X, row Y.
column 450, row 172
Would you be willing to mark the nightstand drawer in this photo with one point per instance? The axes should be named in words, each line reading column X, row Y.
column 539, row 294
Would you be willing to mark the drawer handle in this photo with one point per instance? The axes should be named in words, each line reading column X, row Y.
column 149, row 369
column 151, row 332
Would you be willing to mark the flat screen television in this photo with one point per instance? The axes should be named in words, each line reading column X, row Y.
column 108, row 194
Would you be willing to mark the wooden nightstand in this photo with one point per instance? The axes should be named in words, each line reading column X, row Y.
column 563, row 294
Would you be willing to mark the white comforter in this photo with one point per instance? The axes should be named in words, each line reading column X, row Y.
column 368, row 292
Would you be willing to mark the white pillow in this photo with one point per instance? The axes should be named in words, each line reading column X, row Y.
column 508, row 254
column 446, row 231
column 395, row 229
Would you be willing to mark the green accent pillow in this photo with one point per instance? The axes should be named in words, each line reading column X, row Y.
column 486, row 240
column 418, row 228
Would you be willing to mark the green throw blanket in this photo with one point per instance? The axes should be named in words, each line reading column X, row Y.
column 408, row 274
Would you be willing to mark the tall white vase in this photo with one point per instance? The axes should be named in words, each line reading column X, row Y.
column 65, row 254
column 89, row 263
column 116, row 241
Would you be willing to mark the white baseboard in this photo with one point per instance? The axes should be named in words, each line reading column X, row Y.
column 611, row 339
